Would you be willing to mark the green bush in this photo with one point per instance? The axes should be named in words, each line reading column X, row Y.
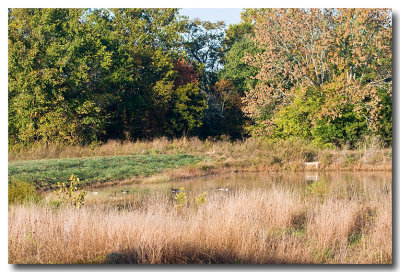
column 21, row 192
column 67, row 193
column 181, row 198
column 201, row 199
column 345, row 130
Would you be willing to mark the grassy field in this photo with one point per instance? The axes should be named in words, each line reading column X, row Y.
column 46, row 173
column 346, row 222
column 123, row 160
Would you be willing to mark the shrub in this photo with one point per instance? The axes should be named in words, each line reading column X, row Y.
column 21, row 191
column 201, row 199
column 69, row 195
column 181, row 198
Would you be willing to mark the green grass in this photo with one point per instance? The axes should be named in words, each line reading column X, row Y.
column 46, row 173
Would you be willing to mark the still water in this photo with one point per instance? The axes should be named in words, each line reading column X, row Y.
column 348, row 183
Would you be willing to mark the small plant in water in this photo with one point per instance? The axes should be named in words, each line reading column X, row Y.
column 181, row 198
column 69, row 195
column 201, row 199
column 319, row 188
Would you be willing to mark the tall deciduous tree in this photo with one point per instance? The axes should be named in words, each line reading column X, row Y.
column 237, row 44
column 53, row 57
column 342, row 54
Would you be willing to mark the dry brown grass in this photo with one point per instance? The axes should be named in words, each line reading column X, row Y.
column 274, row 225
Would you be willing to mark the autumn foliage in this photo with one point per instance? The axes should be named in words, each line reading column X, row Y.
column 186, row 73
column 342, row 55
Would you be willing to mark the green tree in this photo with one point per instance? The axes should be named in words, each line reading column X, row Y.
column 52, row 56
column 236, row 69
column 77, row 76
column 234, row 33
column 187, row 109
column 296, row 119
column 146, row 42
column 300, row 119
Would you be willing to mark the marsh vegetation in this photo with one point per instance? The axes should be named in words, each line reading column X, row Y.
column 342, row 218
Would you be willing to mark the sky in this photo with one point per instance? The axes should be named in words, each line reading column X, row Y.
column 229, row 15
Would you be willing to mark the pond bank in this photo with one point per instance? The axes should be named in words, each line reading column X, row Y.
column 190, row 157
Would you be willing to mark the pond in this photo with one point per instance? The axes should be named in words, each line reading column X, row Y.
column 345, row 184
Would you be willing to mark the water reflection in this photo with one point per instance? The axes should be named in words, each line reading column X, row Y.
column 344, row 184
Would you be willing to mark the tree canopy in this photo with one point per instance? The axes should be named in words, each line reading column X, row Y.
column 79, row 76
column 342, row 57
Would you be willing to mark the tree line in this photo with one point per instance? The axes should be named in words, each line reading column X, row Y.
column 80, row 76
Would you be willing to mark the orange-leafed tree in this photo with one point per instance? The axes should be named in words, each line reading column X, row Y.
column 343, row 55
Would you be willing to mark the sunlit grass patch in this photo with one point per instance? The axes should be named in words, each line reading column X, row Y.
column 46, row 173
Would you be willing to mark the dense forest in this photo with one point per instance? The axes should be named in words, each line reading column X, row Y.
column 83, row 76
